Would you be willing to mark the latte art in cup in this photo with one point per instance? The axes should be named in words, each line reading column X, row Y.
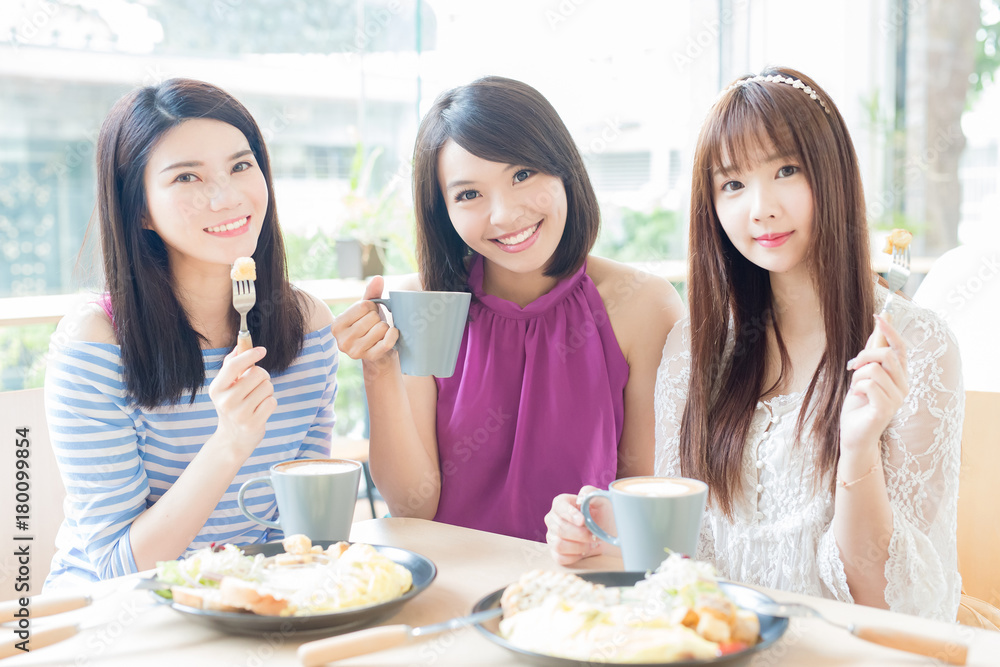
column 658, row 487
column 319, row 467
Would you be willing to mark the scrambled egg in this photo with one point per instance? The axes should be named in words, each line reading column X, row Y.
column 359, row 577
column 305, row 580
column 677, row 613
column 619, row 633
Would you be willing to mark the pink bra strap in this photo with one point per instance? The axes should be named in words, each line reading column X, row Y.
column 104, row 301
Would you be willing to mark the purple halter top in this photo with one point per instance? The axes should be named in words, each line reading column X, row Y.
column 535, row 407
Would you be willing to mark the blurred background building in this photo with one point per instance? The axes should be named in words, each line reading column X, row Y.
column 339, row 86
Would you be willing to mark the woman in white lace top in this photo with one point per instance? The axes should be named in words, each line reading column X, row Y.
column 828, row 475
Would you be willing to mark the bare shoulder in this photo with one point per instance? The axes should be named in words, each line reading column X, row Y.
column 87, row 323
column 632, row 293
column 318, row 314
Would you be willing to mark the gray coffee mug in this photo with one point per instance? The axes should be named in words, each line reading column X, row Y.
column 653, row 515
column 315, row 497
column 431, row 325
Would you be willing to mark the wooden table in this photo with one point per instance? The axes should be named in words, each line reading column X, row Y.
column 132, row 630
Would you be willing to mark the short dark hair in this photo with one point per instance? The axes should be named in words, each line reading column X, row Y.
column 160, row 351
column 507, row 121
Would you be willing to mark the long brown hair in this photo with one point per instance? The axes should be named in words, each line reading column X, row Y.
column 731, row 297
column 500, row 120
column 160, row 351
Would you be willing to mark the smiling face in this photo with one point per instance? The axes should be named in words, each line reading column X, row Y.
column 206, row 195
column 766, row 210
column 512, row 215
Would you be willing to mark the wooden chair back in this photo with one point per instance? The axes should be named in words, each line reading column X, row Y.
column 979, row 498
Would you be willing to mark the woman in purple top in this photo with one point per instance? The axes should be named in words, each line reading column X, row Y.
column 554, row 383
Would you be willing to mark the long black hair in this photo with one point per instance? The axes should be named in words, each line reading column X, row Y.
column 160, row 350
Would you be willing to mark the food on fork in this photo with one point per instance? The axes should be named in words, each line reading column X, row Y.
column 244, row 268
column 677, row 613
column 305, row 580
column 898, row 239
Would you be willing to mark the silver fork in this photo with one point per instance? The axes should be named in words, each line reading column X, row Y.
column 947, row 651
column 244, row 298
column 899, row 273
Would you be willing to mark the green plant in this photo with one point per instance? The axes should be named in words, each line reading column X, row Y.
column 986, row 50
column 349, row 406
column 636, row 236
column 378, row 217
column 22, row 355
column 884, row 206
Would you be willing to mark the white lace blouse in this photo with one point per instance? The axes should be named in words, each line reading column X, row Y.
column 782, row 536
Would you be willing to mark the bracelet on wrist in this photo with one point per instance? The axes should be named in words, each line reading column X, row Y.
column 846, row 485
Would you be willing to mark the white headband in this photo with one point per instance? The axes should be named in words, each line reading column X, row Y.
column 777, row 78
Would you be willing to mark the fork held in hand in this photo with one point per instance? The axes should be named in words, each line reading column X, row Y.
column 899, row 273
column 244, row 298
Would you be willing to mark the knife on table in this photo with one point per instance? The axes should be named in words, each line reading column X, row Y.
column 49, row 604
column 322, row 651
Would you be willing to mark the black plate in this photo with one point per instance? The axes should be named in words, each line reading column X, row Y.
column 771, row 627
column 422, row 569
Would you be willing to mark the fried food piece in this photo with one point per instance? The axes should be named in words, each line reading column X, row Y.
column 244, row 268
column 898, row 239
column 685, row 616
column 713, row 628
column 746, row 627
column 336, row 550
column 716, row 605
column 295, row 544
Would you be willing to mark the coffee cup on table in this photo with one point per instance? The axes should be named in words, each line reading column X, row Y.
column 431, row 325
column 654, row 516
column 315, row 497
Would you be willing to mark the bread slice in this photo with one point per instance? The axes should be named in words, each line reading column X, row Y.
column 251, row 597
column 209, row 599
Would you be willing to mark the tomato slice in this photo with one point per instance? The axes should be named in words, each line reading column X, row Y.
column 725, row 648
